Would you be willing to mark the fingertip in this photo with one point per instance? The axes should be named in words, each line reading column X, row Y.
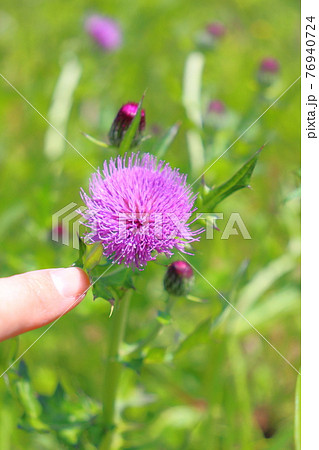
column 71, row 283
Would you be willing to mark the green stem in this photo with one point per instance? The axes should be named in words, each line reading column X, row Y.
column 113, row 367
column 154, row 331
column 242, row 391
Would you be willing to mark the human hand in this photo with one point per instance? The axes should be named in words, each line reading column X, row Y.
column 34, row 299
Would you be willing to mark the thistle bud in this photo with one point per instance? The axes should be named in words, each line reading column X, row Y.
column 122, row 122
column 179, row 278
column 268, row 71
column 217, row 115
column 216, row 30
column 208, row 38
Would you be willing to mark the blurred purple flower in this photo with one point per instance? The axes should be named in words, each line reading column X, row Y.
column 216, row 106
column 269, row 65
column 105, row 31
column 122, row 122
column 208, row 37
column 268, row 71
column 138, row 207
column 217, row 115
column 216, row 29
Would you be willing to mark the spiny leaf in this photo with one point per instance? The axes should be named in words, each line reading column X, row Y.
column 238, row 181
column 130, row 133
column 89, row 255
column 109, row 284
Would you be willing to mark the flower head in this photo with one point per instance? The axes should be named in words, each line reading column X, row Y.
column 179, row 278
column 268, row 71
column 208, row 37
column 216, row 29
column 216, row 106
column 139, row 207
column 269, row 65
column 105, row 31
column 217, row 115
column 122, row 122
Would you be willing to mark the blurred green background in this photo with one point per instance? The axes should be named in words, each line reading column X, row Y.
column 225, row 389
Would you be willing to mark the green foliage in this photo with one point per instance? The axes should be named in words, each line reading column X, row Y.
column 241, row 179
column 89, row 255
column 65, row 417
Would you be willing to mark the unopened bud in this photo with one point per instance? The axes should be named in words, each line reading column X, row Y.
column 216, row 116
column 216, row 29
column 208, row 37
column 268, row 71
column 179, row 278
column 122, row 122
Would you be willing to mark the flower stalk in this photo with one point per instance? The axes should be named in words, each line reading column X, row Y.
column 113, row 366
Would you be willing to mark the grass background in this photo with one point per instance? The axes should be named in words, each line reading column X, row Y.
column 210, row 394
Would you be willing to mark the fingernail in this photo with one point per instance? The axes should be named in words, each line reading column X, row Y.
column 67, row 282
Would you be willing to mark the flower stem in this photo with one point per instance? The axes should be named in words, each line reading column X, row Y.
column 113, row 367
column 155, row 330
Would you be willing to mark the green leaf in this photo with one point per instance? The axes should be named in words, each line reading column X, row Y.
column 238, row 181
column 156, row 355
column 25, row 394
column 96, row 141
column 163, row 145
column 58, row 413
column 131, row 132
column 164, row 317
column 82, row 248
column 135, row 364
column 197, row 337
column 109, row 284
column 297, row 430
column 92, row 256
column 89, row 255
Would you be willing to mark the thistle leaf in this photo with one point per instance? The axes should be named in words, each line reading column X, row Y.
column 238, row 181
column 89, row 255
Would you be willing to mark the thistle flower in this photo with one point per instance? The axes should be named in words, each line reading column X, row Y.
column 139, row 207
column 216, row 29
column 122, row 122
column 179, row 278
column 104, row 31
column 268, row 71
column 208, row 37
column 216, row 106
column 217, row 115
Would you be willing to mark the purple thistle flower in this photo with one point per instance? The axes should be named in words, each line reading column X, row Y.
column 123, row 121
column 105, row 31
column 138, row 207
